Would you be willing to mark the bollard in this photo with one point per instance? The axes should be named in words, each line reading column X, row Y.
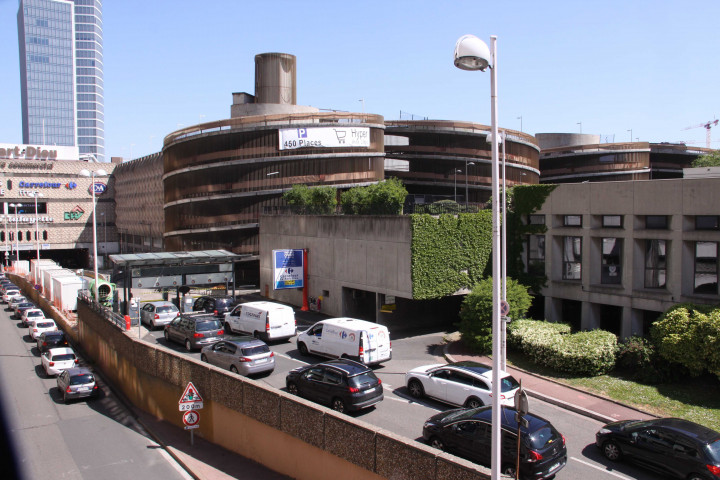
column 127, row 322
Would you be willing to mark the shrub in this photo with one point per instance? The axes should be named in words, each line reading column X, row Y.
column 638, row 358
column 312, row 200
column 383, row 198
column 552, row 345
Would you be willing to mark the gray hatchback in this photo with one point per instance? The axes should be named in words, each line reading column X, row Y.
column 194, row 330
column 158, row 314
column 77, row 382
column 243, row 355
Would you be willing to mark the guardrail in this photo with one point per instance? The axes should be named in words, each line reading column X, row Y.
column 103, row 311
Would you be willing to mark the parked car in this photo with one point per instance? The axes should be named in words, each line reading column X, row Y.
column 51, row 339
column 37, row 327
column 467, row 384
column 158, row 314
column 218, row 306
column 30, row 315
column 15, row 301
column 467, row 433
column 670, row 446
column 21, row 307
column 77, row 382
column 344, row 385
column 194, row 330
column 11, row 293
column 243, row 355
column 58, row 359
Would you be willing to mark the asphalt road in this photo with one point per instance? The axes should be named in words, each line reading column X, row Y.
column 95, row 439
column 403, row 415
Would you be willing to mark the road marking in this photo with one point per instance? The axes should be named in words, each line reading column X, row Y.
column 291, row 358
column 601, row 469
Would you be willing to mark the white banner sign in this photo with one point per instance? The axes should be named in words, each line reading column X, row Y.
column 324, row 137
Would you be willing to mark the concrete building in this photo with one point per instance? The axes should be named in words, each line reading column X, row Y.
column 61, row 74
column 618, row 254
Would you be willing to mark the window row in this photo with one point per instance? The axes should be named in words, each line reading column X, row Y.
column 651, row 222
column 27, row 236
column 705, row 262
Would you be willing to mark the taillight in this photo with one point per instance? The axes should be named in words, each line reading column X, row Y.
column 52, row 364
column 35, row 330
column 68, row 390
column 267, row 325
column 272, row 354
column 76, row 360
column 198, row 335
column 390, row 344
column 221, row 332
column 379, row 382
column 714, row 469
column 215, row 312
column 353, row 390
column 44, row 344
column 157, row 317
column 361, row 351
column 245, row 359
column 563, row 437
column 534, row 456
column 95, row 387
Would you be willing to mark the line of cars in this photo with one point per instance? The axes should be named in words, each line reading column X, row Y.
column 56, row 356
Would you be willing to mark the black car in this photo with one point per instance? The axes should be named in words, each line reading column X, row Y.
column 22, row 307
column 48, row 340
column 671, row 446
column 194, row 330
column 468, row 433
column 344, row 385
column 218, row 306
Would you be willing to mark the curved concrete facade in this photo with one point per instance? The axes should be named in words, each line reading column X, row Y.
column 437, row 159
column 219, row 176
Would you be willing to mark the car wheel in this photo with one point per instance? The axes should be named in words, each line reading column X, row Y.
column 612, row 451
column 508, row 470
column 695, row 476
column 293, row 389
column 188, row 345
column 416, row 389
column 473, row 403
column 303, row 349
column 203, row 358
column 234, row 369
column 435, row 442
column 338, row 405
column 227, row 327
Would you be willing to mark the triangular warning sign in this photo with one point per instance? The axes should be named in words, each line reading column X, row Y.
column 191, row 395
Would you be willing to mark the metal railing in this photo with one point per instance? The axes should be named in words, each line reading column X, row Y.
column 103, row 311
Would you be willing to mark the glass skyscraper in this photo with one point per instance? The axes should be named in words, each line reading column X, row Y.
column 61, row 74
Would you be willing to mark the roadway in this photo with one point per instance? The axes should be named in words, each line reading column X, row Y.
column 403, row 415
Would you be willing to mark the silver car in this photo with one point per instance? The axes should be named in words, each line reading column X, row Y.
column 243, row 355
column 158, row 314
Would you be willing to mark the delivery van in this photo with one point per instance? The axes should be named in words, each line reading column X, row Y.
column 359, row 340
column 265, row 320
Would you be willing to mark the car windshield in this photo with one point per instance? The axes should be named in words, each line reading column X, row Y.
column 260, row 349
column 365, row 378
column 45, row 324
column 508, row 384
column 541, row 437
column 165, row 309
column 54, row 337
column 35, row 314
column 713, row 451
column 64, row 356
column 207, row 326
column 82, row 379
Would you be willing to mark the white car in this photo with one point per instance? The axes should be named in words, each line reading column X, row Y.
column 57, row 360
column 15, row 301
column 10, row 294
column 30, row 315
column 37, row 327
column 467, row 384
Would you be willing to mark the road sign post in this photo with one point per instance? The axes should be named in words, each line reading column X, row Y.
column 190, row 402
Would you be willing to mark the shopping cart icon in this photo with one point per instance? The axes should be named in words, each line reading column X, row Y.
column 340, row 135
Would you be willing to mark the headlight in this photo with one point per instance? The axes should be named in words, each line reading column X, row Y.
column 603, row 431
column 429, row 424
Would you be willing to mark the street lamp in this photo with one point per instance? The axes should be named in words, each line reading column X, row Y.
column 467, row 197
column 471, row 53
column 17, row 243
column 455, row 172
column 92, row 174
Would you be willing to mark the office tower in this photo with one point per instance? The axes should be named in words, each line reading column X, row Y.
column 61, row 74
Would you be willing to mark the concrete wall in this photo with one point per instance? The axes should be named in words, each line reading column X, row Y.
column 286, row 433
column 369, row 253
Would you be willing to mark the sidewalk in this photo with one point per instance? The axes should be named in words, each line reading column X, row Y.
column 584, row 403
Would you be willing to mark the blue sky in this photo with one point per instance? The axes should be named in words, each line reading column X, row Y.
column 611, row 67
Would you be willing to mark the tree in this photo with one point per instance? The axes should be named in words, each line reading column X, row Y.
column 476, row 312
column 708, row 160
column 383, row 198
column 312, row 200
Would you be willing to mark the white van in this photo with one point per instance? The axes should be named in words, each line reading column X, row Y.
column 366, row 342
column 266, row 320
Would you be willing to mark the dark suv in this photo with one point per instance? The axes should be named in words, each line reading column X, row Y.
column 194, row 330
column 468, row 433
column 670, row 446
column 343, row 384
column 218, row 306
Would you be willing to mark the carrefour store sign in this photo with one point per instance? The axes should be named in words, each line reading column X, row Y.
column 11, row 151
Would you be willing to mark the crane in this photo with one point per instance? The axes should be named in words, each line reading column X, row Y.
column 707, row 126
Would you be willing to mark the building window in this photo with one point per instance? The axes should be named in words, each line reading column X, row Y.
column 572, row 220
column 536, row 255
column 706, row 267
column 611, row 261
column 572, row 258
column 612, row 221
column 536, row 219
column 655, row 263
column 45, row 235
column 656, row 222
column 707, row 222
column 20, row 237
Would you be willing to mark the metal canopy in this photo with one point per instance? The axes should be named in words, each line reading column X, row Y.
column 175, row 258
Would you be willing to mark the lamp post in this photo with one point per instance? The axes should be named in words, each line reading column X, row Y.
column 455, row 172
column 92, row 174
column 17, row 243
column 503, row 264
column 471, row 53
column 37, row 227
column 467, row 197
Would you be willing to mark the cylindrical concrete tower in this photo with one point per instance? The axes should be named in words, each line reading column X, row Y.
column 275, row 75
